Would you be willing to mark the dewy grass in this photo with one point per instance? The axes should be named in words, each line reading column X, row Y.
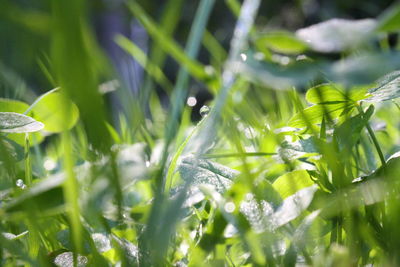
column 285, row 167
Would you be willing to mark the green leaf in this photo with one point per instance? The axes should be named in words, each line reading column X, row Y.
column 44, row 195
column 201, row 171
column 348, row 133
column 336, row 35
column 297, row 149
column 11, row 122
column 363, row 69
column 293, row 206
column 11, row 105
column 291, row 182
column 388, row 87
column 14, row 150
column 276, row 76
column 315, row 113
column 389, row 21
column 334, row 93
column 282, row 42
column 56, row 112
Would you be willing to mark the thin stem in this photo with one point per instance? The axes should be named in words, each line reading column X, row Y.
column 373, row 137
column 28, row 167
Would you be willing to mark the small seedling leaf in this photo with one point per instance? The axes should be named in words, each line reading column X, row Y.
column 11, row 122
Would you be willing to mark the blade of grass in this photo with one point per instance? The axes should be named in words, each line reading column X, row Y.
column 167, row 43
column 152, row 69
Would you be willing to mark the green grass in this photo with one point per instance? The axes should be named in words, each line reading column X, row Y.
column 295, row 162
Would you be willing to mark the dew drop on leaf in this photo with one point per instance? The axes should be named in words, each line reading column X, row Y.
column 204, row 111
column 20, row 184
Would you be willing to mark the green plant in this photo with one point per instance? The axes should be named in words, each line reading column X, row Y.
column 294, row 162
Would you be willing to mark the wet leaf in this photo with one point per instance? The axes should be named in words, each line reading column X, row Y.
column 11, row 122
column 388, row 87
column 294, row 150
column 203, row 171
column 66, row 259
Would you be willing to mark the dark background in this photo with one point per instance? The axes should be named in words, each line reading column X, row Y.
column 25, row 27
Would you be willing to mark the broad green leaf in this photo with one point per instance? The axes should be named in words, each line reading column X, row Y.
column 56, row 112
column 315, row 113
column 11, row 122
column 363, row 69
column 334, row 93
column 391, row 168
column 389, row 21
column 281, row 42
column 336, row 35
column 203, row 171
column 348, row 133
column 11, row 105
column 276, row 76
column 293, row 206
column 289, row 183
column 388, row 87
column 297, row 149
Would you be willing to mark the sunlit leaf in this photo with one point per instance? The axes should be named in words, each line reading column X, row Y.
column 315, row 113
column 10, row 105
column 282, row 42
column 11, row 122
column 56, row 112
column 297, row 149
column 331, row 93
column 203, row 171
column 291, row 182
column 348, row 133
column 363, row 69
column 388, row 87
column 336, row 35
column 66, row 259
column 276, row 76
column 293, row 206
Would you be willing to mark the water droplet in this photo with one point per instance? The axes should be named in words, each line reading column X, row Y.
column 191, row 101
column 20, row 184
column 209, row 70
column 49, row 164
column 249, row 196
column 259, row 56
column 147, row 163
column 243, row 56
column 229, row 207
column 301, row 57
column 204, row 111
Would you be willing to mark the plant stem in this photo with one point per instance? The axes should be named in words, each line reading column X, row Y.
column 28, row 167
column 373, row 137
